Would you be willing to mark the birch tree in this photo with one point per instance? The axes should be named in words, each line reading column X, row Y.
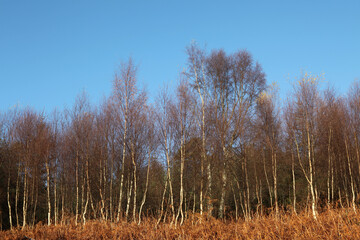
column 306, row 108
column 124, row 92
column 268, row 123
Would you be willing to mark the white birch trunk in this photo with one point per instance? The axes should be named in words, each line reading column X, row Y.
column 48, row 192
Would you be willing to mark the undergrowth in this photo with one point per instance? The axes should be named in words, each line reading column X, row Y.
column 330, row 224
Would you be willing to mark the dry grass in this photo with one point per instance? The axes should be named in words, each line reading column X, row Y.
column 331, row 224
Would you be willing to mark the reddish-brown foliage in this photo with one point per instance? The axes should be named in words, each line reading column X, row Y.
column 331, row 224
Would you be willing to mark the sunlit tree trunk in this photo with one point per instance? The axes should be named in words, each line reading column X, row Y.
column 203, row 136
column 169, row 179
column 63, row 204
column 223, row 186
column 88, row 181
column 293, row 180
column 122, row 165
column 17, row 195
column 257, row 192
column 182, row 153
column 77, row 187
column 329, row 169
column 48, row 191
column 129, row 193
column 351, row 178
column 111, row 182
column 85, row 207
column 8, row 201
column 311, row 180
column 247, row 188
column 56, row 210
column 83, row 200
column 25, row 198
column 135, row 182
column 209, row 189
column 146, row 187
column 162, row 202
column 101, row 178
column 274, row 167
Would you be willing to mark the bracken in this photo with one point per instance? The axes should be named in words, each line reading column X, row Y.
column 330, row 224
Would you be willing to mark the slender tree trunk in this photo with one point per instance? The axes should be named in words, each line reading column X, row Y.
column 203, row 154
column 351, row 177
column 166, row 211
column 103, row 170
column 223, row 192
column 267, row 180
column 182, row 151
column 32, row 200
column 293, row 180
column 332, row 182
column 102, row 200
column 235, row 202
column 88, row 186
column 203, row 150
column 135, row 183
column 247, row 187
column 223, row 187
column 122, row 165
column 85, row 207
column 261, row 200
column 17, row 196
column 63, row 204
column 77, row 188
column 256, row 192
column 340, row 198
column 242, row 204
column 129, row 192
column 25, row 198
column 162, row 202
column 309, row 178
column 274, row 161
column 83, row 201
column 312, row 190
column 55, row 199
column 314, row 168
column 35, row 204
column 194, row 200
column 357, row 152
column 202, row 174
column 169, row 177
column 48, row 191
column 209, row 190
column 111, row 182
column 8, row 202
column 329, row 169
column 186, row 204
column 146, row 187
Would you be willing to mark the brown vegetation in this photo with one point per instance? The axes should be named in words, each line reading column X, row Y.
column 330, row 224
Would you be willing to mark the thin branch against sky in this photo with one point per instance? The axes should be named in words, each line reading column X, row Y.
column 51, row 51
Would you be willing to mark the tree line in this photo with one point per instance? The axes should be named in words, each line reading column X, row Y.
column 220, row 145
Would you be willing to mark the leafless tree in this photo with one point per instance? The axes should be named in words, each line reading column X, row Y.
column 124, row 93
column 166, row 136
column 268, row 124
column 306, row 109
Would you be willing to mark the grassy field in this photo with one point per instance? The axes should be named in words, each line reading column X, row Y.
column 331, row 224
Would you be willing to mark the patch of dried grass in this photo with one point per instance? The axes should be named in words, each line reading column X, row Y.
column 331, row 224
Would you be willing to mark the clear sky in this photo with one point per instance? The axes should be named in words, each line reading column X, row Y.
column 50, row 51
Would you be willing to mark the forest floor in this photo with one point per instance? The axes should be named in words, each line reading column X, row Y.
column 330, row 224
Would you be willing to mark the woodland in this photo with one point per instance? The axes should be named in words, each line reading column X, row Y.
column 221, row 146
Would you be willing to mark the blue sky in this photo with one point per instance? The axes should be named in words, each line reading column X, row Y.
column 50, row 51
